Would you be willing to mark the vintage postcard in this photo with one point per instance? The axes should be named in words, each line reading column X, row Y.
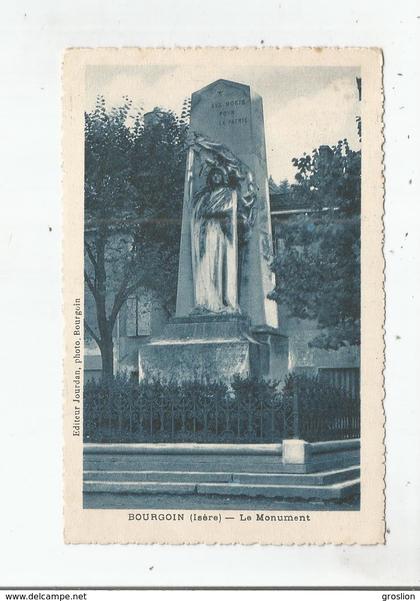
column 223, row 296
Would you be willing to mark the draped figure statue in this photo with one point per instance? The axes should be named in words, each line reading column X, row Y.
column 222, row 214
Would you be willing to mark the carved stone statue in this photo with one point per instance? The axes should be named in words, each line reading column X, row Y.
column 222, row 213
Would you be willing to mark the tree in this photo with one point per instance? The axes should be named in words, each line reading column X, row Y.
column 318, row 271
column 283, row 187
column 134, row 178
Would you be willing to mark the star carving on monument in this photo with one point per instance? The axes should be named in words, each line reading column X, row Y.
column 220, row 92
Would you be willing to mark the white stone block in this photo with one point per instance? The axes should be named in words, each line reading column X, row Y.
column 296, row 451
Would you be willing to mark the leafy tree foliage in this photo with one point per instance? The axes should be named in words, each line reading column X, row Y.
column 318, row 271
column 134, row 176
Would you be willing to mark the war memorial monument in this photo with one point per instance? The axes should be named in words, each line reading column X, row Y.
column 224, row 323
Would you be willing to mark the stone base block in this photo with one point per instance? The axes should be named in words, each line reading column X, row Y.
column 214, row 347
column 217, row 359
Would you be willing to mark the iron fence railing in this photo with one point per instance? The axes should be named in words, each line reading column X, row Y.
column 249, row 412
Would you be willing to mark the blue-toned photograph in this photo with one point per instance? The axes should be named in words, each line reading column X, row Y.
column 222, row 214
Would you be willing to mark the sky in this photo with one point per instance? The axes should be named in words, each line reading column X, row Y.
column 304, row 107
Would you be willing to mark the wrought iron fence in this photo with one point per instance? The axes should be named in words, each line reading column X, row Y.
column 321, row 411
column 250, row 411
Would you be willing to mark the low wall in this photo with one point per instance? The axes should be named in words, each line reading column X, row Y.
column 182, row 449
column 293, row 456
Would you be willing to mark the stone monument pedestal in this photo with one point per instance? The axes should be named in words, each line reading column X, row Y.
column 214, row 347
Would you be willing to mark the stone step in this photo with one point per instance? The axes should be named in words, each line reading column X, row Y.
column 156, row 476
column 337, row 491
column 198, row 463
column 317, row 479
column 147, row 488
column 327, row 492
column 245, row 463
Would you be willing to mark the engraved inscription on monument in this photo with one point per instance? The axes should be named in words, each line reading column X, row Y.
column 229, row 112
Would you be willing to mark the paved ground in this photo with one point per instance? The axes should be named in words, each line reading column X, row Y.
column 204, row 502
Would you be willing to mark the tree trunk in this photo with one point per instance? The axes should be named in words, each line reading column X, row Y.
column 105, row 326
column 107, row 354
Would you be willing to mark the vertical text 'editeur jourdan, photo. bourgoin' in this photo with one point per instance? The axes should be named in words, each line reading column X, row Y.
column 77, row 358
